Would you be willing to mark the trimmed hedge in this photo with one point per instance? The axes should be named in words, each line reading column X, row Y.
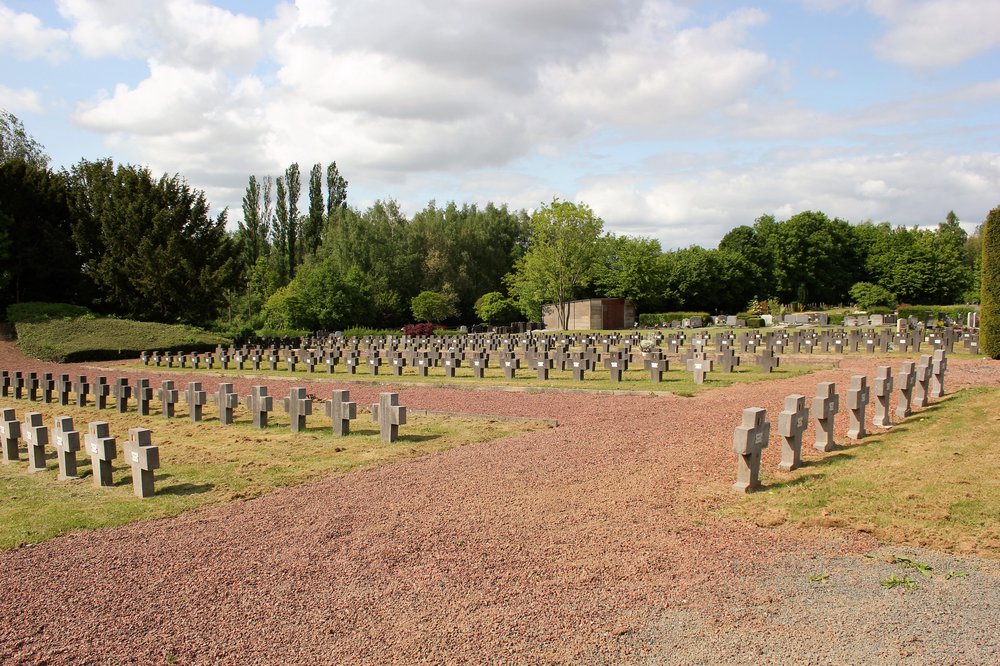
column 936, row 312
column 989, row 312
column 659, row 318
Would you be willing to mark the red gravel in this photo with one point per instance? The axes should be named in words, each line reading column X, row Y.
column 583, row 543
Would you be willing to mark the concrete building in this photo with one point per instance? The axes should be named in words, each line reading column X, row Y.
column 592, row 314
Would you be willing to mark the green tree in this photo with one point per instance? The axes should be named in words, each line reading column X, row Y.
column 433, row 306
column 867, row 295
column 496, row 309
column 294, row 186
column 989, row 324
column 314, row 227
column 16, row 143
column 254, row 226
column 561, row 259
column 632, row 270
column 336, row 190
column 279, row 233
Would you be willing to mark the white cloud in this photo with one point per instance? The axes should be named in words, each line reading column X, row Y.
column 20, row 99
column 25, row 38
column 937, row 33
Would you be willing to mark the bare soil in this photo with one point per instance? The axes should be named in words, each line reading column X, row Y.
column 593, row 542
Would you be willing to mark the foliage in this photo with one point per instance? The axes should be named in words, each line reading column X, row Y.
column 713, row 280
column 935, row 312
column 496, row 309
column 867, row 296
column 631, row 269
column 431, row 306
column 564, row 249
column 319, row 298
column 35, row 311
column 661, row 318
column 363, row 332
column 88, row 338
column 16, row 143
column 989, row 324
column 419, row 330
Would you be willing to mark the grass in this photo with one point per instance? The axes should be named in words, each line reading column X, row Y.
column 207, row 464
column 933, row 481
column 675, row 381
column 92, row 338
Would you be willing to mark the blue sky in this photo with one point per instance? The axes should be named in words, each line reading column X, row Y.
column 674, row 120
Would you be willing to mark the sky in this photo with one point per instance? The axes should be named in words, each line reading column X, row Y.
column 672, row 120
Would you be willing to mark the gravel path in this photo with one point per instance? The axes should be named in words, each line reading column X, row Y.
column 587, row 543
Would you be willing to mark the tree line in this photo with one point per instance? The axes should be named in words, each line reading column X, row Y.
column 128, row 243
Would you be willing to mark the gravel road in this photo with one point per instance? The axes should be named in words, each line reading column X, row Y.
column 586, row 543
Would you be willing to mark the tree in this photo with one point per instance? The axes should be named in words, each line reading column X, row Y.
column 15, row 142
column 254, row 226
column 314, row 228
column 562, row 255
column 294, row 187
column 989, row 309
column 280, row 234
column 496, row 309
column 631, row 270
column 336, row 189
column 867, row 295
column 433, row 306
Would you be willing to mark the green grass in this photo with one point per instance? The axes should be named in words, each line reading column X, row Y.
column 675, row 381
column 932, row 481
column 93, row 339
column 207, row 464
column 36, row 311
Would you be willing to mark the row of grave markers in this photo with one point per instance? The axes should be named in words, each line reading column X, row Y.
column 915, row 383
column 388, row 413
column 140, row 454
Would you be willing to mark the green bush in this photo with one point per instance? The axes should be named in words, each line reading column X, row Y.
column 34, row 311
column 362, row 332
column 277, row 332
column 868, row 296
column 936, row 312
column 656, row 319
column 989, row 321
column 836, row 319
column 755, row 322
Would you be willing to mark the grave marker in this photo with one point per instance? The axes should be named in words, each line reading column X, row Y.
column 168, row 397
column 259, row 403
column 195, row 398
column 66, row 442
column 389, row 415
column 939, row 364
column 36, row 436
column 921, row 387
column 857, row 402
column 749, row 441
column 882, row 388
column 121, row 392
column 298, row 406
column 10, row 432
column 225, row 401
column 143, row 458
column 825, row 406
column 341, row 410
column 905, row 380
column 102, row 449
column 792, row 424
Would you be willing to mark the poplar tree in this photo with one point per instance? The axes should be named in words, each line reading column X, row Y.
column 989, row 308
column 315, row 221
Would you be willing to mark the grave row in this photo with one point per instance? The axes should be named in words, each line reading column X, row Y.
column 388, row 413
column 140, row 454
column 915, row 383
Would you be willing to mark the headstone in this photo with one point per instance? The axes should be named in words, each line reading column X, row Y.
column 101, row 390
column 615, row 365
column 259, row 403
column 882, row 388
column 48, row 387
column 906, row 379
column 143, row 458
column 32, row 386
column 825, row 406
column 341, row 410
column 63, row 388
column 857, row 402
column 168, row 397
column 225, row 402
column 10, row 433
column 195, row 398
column 727, row 359
column 66, row 442
column 143, row 396
column 510, row 364
column 749, row 441
column 298, row 406
column 389, row 415
column 543, row 364
column 102, row 449
column 700, row 367
column 939, row 364
column 792, row 423
column 36, row 437
column 921, row 388
column 767, row 361
column 121, row 392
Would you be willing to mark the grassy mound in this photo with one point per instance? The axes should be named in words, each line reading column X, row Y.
column 68, row 333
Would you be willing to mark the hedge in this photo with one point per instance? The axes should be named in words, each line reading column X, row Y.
column 936, row 312
column 989, row 320
column 660, row 318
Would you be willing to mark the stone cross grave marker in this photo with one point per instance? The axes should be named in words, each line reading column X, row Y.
column 195, row 398
column 857, row 401
column 32, row 386
column 143, row 458
column 102, row 449
column 921, row 388
column 36, row 436
column 398, row 363
column 121, row 392
column 792, row 424
column 615, row 364
column 511, row 364
column 341, row 410
column 450, row 362
column 882, row 388
column 298, row 406
column 143, row 396
column 48, row 386
column 939, row 364
column 749, row 441
column 374, row 363
column 727, row 359
column 259, row 403
column 478, row 362
column 767, row 361
column 700, row 367
column 169, row 396
column 101, row 390
column 10, row 432
column 5, row 383
column 66, row 442
column 656, row 365
column 579, row 366
column 825, row 406
column 905, row 381
column 18, row 385
column 543, row 364
column 389, row 415
column 225, row 402
column 63, row 388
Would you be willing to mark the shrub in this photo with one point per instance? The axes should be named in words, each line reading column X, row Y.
column 419, row 330
column 34, row 311
column 755, row 322
column 431, row 306
column 867, row 296
column 496, row 309
column 989, row 323
column 656, row 319
column 936, row 312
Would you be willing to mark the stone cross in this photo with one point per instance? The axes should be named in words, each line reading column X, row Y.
column 341, row 410
column 143, row 396
column 749, row 441
column 226, row 401
column 905, row 380
column 727, row 359
column 101, row 392
column 656, row 365
column 121, row 392
column 32, row 386
column 700, row 367
column 398, row 363
column 825, row 406
column 882, row 388
column 543, row 364
column 792, row 424
column 195, row 398
column 510, row 364
column 291, row 360
column 767, row 361
column 18, row 385
column 450, row 362
column 857, row 402
column 63, row 388
column 48, row 386
column 66, row 442
column 921, row 388
column 478, row 362
column 143, row 458
column 36, row 436
column 10, row 432
column 168, row 396
column 579, row 366
column 374, row 363
column 615, row 365
column 298, row 406
column 389, row 415
column 102, row 449
column 939, row 363
column 5, row 383
column 259, row 403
